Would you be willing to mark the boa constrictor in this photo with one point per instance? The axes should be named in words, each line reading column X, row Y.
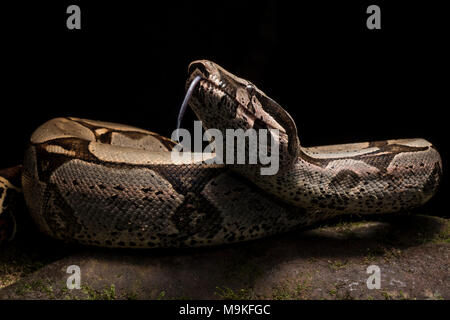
column 113, row 185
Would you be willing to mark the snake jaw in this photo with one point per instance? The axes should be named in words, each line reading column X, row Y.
column 225, row 101
column 217, row 83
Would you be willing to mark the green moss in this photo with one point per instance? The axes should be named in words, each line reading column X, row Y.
column 303, row 289
column 110, row 293
column 132, row 296
column 444, row 235
column 392, row 253
column 161, row 295
column 438, row 296
column 39, row 286
column 14, row 270
column 347, row 228
column 90, row 292
column 282, row 292
column 47, row 290
column 94, row 294
column 337, row 291
column 337, row 265
column 386, row 295
column 403, row 296
column 295, row 290
column 24, row 288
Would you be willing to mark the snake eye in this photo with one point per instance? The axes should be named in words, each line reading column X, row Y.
column 200, row 66
column 250, row 88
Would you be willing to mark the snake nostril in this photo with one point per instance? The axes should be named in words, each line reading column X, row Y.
column 200, row 67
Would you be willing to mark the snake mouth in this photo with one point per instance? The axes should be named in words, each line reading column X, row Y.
column 206, row 92
column 210, row 83
column 211, row 87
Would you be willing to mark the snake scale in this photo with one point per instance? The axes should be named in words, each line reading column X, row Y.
column 113, row 185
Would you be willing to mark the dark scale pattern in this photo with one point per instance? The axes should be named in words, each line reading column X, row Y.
column 45, row 166
column 59, row 216
column 117, row 210
column 188, row 178
column 197, row 217
column 345, row 179
column 430, row 186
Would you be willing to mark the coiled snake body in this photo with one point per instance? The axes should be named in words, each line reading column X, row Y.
column 113, row 185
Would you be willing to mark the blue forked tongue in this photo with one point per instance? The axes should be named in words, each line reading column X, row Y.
column 186, row 100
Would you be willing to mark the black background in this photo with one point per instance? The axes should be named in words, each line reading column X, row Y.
column 340, row 81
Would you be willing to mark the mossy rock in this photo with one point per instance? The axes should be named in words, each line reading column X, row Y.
column 412, row 253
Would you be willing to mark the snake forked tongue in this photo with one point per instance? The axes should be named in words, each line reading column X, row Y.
column 184, row 105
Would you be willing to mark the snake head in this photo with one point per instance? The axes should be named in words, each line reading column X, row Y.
column 224, row 101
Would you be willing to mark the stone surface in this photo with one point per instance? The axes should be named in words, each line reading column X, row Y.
column 412, row 252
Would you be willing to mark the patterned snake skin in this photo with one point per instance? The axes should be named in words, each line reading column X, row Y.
column 113, row 185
